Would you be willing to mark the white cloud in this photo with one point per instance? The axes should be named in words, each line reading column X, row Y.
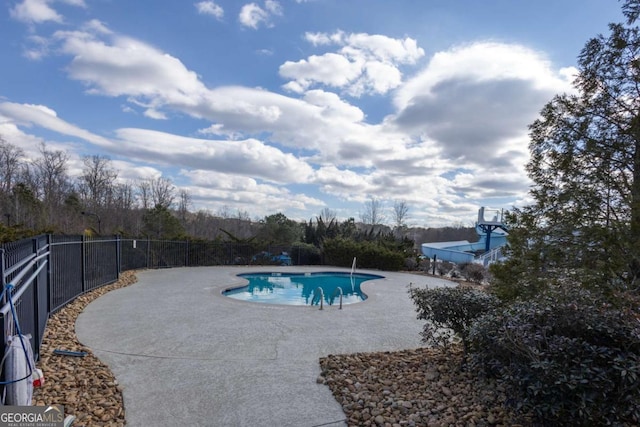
column 45, row 117
column 213, row 189
column 38, row 48
column 357, row 185
column 12, row 133
column 210, row 8
column 248, row 157
column 330, row 69
column 381, row 48
column 364, row 63
column 476, row 102
column 341, row 182
column 273, row 7
column 318, row 39
column 39, row 11
column 129, row 67
column 333, row 106
column 218, row 129
column 79, row 3
column 155, row 114
column 243, row 192
column 35, row 12
column 491, row 184
column 484, row 61
column 252, row 15
column 378, row 77
column 133, row 172
column 97, row 27
column 322, row 39
column 160, row 84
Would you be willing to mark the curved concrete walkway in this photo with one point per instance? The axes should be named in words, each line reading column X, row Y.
column 188, row 356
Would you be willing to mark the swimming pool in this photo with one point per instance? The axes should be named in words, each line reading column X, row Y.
column 299, row 288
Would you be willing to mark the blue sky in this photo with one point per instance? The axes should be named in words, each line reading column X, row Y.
column 295, row 106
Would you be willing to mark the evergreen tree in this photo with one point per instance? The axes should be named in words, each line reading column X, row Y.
column 585, row 166
column 160, row 223
column 277, row 229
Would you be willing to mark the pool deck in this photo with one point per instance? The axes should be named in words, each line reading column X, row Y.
column 186, row 355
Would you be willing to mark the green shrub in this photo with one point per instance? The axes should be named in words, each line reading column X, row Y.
column 340, row 252
column 518, row 278
column 568, row 358
column 305, row 254
column 449, row 312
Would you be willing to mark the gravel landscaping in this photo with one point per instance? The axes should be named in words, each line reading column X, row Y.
column 84, row 385
column 420, row 387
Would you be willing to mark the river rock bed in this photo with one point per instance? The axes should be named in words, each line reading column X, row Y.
column 84, row 385
column 420, row 387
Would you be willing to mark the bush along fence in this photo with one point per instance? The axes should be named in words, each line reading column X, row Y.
column 44, row 273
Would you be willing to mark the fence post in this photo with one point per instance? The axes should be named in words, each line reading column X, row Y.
column 34, row 303
column 148, row 252
column 3, row 267
column 35, row 247
column 3, row 331
column 186, row 255
column 118, row 256
column 49, row 274
column 83, row 263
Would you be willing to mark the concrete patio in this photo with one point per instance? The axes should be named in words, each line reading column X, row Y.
column 186, row 355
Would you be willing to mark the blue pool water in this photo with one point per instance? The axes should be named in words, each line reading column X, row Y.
column 298, row 288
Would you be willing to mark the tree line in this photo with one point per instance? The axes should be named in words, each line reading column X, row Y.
column 40, row 196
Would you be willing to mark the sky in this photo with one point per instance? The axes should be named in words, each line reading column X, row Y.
column 297, row 106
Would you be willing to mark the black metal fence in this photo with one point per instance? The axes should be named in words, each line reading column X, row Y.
column 48, row 272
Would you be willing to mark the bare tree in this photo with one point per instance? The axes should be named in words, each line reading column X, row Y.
column 10, row 165
column 243, row 216
column 51, row 174
column 52, row 182
column 124, row 196
column 243, row 224
column 162, row 192
column 144, row 194
column 203, row 224
column 372, row 214
column 184, row 203
column 97, row 183
column 224, row 212
column 400, row 213
column 125, row 217
column 327, row 215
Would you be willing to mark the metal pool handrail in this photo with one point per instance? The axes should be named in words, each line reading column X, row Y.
column 333, row 295
column 318, row 293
